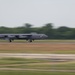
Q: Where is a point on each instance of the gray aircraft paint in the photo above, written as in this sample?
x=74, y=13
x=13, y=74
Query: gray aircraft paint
x=29, y=37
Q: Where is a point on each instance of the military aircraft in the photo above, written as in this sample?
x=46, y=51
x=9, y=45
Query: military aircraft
x=29, y=37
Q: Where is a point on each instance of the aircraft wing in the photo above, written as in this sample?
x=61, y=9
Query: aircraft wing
x=15, y=36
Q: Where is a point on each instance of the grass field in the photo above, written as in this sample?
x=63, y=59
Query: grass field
x=34, y=73
x=18, y=66
x=42, y=64
x=42, y=41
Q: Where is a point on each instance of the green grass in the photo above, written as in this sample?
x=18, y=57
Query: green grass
x=43, y=41
x=34, y=73
x=64, y=66
x=48, y=41
x=19, y=61
x=37, y=64
x=54, y=41
x=39, y=51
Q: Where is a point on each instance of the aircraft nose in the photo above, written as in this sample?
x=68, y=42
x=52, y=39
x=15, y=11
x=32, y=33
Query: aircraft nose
x=45, y=36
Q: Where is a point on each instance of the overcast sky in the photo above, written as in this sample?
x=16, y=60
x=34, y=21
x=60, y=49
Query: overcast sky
x=15, y=13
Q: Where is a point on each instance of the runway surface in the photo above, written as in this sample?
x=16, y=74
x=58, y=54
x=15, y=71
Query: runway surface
x=49, y=56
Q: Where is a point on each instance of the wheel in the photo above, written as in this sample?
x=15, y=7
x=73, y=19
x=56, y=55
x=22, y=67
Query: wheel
x=10, y=40
x=30, y=40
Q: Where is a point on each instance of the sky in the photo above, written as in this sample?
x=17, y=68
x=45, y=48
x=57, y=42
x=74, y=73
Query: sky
x=14, y=13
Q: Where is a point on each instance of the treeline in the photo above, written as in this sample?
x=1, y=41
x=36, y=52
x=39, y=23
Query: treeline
x=62, y=32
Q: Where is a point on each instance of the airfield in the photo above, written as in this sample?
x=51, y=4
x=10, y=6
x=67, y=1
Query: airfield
x=42, y=46
x=42, y=56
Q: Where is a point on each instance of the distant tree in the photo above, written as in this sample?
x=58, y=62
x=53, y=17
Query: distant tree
x=27, y=28
x=73, y=33
x=27, y=25
x=64, y=32
x=63, y=29
x=5, y=30
x=48, y=29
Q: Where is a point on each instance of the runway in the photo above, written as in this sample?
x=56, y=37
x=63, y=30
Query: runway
x=29, y=55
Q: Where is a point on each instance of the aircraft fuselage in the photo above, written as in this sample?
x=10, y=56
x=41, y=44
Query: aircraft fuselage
x=28, y=37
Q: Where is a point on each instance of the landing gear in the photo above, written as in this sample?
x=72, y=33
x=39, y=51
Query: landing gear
x=30, y=40
x=10, y=40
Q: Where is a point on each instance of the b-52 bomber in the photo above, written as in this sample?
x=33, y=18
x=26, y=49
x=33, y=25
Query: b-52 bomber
x=29, y=37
